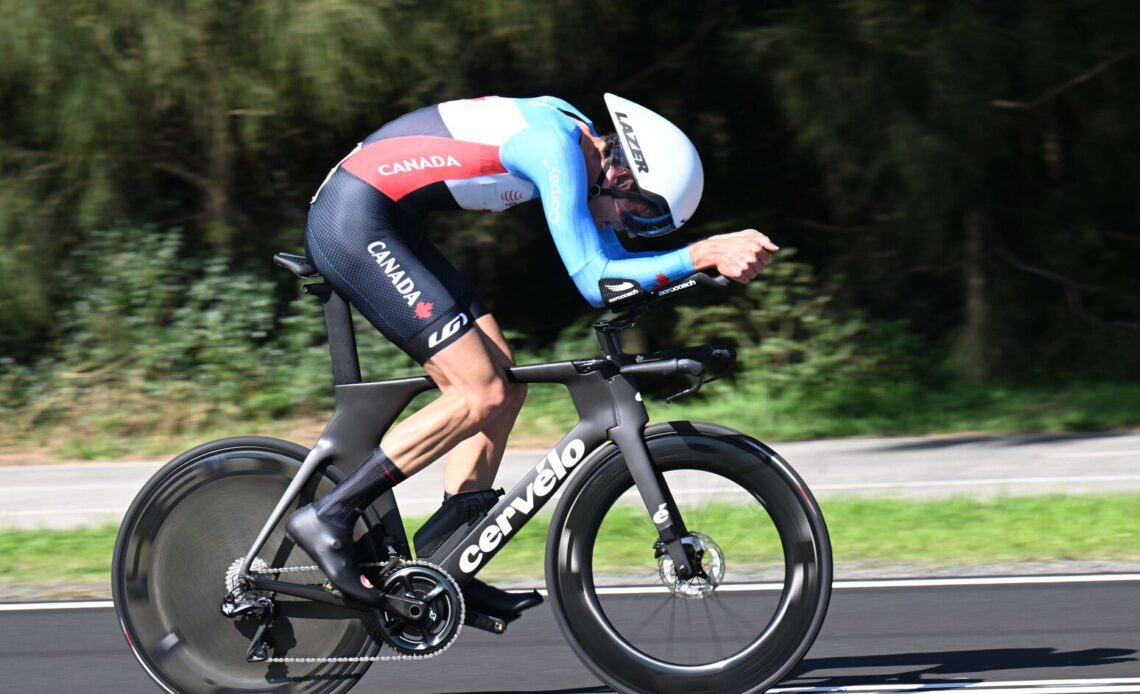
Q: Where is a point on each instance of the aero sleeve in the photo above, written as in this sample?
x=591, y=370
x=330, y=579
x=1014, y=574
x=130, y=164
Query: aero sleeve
x=552, y=161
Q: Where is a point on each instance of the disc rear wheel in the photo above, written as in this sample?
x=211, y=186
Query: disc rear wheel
x=184, y=531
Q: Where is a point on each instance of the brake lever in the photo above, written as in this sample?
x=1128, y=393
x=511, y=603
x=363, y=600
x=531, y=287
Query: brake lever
x=690, y=390
x=726, y=355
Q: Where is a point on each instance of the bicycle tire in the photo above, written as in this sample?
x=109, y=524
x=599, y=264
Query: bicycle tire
x=597, y=631
x=188, y=524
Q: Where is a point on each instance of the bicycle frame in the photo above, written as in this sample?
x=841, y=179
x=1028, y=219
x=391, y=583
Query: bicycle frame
x=609, y=407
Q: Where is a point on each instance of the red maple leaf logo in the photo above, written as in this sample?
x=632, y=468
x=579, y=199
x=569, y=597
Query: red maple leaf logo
x=662, y=281
x=423, y=310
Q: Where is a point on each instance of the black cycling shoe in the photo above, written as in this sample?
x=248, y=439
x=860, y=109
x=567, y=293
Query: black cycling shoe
x=331, y=546
x=488, y=607
x=489, y=600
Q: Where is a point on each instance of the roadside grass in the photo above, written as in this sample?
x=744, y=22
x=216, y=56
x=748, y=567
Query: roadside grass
x=886, y=408
x=949, y=533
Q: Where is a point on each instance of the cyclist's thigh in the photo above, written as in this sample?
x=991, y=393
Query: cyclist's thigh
x=494, y=344
x=372, y=253
x=467, y=365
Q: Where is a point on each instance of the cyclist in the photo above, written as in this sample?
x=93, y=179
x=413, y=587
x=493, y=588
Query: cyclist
x=364, y=237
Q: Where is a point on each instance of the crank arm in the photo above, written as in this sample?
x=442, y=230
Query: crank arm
x=405, y=607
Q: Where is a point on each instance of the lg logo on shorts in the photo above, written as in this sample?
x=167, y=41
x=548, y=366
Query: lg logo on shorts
x=448, y=330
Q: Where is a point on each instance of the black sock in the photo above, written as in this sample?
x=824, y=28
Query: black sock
x=343, y=505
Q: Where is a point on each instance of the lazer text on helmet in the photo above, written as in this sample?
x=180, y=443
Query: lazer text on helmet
x=631, y=139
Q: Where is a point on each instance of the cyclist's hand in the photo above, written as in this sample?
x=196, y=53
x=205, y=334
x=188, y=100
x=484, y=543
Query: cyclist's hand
x=739, y=256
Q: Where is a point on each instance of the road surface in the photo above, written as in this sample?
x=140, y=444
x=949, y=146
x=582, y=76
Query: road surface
x=1071, y=636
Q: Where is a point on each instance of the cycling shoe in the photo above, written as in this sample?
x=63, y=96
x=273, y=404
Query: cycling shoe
x=489, y=600
x=334, y=551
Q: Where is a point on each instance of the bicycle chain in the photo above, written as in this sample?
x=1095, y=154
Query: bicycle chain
x=367, y=658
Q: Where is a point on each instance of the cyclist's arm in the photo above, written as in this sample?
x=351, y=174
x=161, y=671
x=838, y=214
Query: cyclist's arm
x=552, y=160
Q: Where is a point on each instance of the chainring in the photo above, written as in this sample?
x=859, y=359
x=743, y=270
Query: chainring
x=439, y=628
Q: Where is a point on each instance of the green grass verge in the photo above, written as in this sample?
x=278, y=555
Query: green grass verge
x=950, y=532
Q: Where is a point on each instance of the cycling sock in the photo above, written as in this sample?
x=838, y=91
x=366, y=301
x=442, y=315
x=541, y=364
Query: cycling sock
x=343, y=505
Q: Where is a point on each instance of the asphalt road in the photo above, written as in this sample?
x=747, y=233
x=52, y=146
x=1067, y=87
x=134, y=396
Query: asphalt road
x=878, y=637
x=71, y=495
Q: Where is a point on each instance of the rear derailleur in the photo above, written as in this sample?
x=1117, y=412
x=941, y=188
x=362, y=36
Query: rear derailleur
x=240, y=604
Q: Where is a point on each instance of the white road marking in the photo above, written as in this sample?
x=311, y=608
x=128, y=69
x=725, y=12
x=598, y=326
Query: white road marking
x=728, y=588
x=1095, y=454
x=1082, y=686
x=68, y=487
x=893, y=583
x=65, y=512
x=988, y=481
x=44, y=606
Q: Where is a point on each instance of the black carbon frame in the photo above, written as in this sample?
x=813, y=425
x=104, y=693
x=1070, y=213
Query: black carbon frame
x=609, y=406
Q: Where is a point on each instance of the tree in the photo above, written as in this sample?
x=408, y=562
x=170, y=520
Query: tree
x=953, y=203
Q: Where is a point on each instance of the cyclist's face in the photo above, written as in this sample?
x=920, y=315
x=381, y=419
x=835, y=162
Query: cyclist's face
x=621, y=178
x=608, y=210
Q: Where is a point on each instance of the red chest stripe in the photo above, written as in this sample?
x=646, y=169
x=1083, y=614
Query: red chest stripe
x=401, y=165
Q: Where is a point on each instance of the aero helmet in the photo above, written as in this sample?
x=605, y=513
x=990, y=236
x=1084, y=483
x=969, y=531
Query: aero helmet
x=664, y=163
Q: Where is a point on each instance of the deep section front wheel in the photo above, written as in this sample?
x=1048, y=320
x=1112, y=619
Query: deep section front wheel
x=192, y=521
x=755, y=532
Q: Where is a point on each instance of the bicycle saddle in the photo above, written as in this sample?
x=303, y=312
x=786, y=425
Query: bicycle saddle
x=299, y=265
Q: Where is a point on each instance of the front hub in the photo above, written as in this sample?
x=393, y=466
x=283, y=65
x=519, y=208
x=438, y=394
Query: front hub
x=708, y=560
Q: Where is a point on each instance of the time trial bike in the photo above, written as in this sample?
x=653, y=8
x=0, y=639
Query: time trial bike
x=681, y=557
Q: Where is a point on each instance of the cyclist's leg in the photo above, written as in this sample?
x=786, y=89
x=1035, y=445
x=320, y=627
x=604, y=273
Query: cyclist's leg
x=373, y=252
x=473, y=463
x=475, y=393
x=368, y=249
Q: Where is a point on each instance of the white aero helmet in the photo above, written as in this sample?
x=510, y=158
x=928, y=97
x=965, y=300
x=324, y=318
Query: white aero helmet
x=664, y=163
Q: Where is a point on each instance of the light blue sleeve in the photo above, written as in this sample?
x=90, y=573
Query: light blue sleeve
x=551, y=159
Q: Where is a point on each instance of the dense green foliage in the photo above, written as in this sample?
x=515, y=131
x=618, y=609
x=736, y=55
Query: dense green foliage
x=960, y=173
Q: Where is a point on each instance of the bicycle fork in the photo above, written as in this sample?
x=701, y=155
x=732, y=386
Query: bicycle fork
x=629, y=436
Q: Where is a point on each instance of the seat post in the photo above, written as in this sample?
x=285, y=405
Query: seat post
x=342, y=336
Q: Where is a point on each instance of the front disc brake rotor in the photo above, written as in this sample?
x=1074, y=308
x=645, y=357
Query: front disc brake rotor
x=707, y=557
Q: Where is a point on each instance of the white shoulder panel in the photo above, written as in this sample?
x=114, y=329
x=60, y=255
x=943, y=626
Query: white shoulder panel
x=490, y=120
x=491, y=193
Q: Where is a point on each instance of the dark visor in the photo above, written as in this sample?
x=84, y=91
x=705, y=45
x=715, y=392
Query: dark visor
x=643, y=212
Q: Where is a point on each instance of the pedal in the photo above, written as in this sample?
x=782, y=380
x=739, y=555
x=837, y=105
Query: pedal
x=485, y=622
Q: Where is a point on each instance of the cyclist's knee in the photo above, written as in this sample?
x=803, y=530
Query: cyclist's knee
x=486, y=401
x=516, y=396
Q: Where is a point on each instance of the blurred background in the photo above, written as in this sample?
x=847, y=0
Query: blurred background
x=954, y=185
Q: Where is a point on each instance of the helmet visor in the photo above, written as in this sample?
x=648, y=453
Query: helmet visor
x=642, y=212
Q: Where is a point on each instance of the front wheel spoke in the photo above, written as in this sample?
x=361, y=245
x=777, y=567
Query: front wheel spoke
x=732, y=614
x=712, y=628
x=645, y=622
